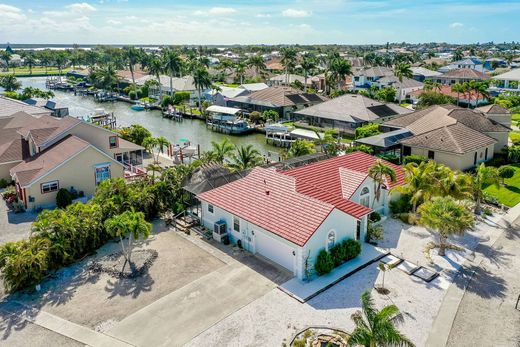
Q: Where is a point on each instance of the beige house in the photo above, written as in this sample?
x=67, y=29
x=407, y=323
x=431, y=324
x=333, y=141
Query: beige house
x=71, y=163
x=457, y=137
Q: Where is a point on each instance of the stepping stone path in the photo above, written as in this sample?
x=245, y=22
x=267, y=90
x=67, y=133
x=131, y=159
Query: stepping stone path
x=425, y=274
x=407, y=267
x=391, y=260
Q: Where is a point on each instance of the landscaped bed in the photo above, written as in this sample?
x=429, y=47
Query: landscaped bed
x=509, y=193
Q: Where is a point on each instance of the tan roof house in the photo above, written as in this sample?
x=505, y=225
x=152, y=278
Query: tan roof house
x=71, y=163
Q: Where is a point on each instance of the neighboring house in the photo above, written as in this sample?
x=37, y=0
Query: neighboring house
x=9, y=107
x=179, y=84
x=286, y=80
x=253, y=87
x=403, y=89
x=348, y=112
x=508, y=82
x=420, y=74
x=461, y=76
x=284, y=100
x=497, y=113
x=56, y=109
x=290, y=216
x=469, y=98
x=365, y=78
x=71, y=163
x=220, y=97
x=495, y=63
x=466, y=63
x=457, y=137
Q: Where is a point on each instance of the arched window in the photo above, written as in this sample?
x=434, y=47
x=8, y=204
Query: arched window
x=331, y=239
x=364, y=198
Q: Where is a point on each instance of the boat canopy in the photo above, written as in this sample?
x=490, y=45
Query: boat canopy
x=305, y=134
x=223, y=110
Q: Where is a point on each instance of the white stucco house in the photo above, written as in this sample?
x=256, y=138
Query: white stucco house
x=290, y=216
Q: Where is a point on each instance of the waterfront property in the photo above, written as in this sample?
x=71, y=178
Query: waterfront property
x=461, y=76
x=348, y=112
x=227, y=120
x=470, y=97
x=290, y=216
x=284, y=100
x=508, y=82
x=457, y=137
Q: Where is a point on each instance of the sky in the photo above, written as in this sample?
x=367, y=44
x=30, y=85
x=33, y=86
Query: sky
x=258, y=22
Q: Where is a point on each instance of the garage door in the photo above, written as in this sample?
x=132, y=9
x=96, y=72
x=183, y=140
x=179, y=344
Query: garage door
x=274, y=250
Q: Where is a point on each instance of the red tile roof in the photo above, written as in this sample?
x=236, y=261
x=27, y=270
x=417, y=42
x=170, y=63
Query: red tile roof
x=294, y=203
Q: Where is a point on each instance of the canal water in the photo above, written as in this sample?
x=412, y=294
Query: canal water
x=192, y=129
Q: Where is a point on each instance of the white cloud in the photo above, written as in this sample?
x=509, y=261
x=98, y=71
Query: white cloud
x=11, y=13
x=456, y=25
x=263, y=15
x=222, y=10
x=81, y=7
x=113, y=22
x=291, y=12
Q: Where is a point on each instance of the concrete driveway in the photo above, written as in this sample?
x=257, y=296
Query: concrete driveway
x=14, y=226
x=178, y=317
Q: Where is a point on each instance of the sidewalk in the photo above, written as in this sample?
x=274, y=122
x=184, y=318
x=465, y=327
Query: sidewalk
x=304, y=291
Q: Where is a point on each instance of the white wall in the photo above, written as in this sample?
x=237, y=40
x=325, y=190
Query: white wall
x=456, y=161
x=380, y=206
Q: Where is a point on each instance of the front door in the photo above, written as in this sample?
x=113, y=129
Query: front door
x=119, y=157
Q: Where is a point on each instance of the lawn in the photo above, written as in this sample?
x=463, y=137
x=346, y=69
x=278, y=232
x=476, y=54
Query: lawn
x=229, y=85
x=515, y=136
x=509, y=194
x=36, y=70
x=516, y=117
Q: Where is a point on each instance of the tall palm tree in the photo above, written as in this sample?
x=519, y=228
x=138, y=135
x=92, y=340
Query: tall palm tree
x=171, y=65
x=401, y=71
x=105, y=77
x=60, y=60
x=10, y=83
x=155, y=68
x=288, y=61
x=240, y=71
x=418, y=183
x=245, y=157
x=458, y=88
x=161, y=143
x=447, y=217
x=257, y=62
x=308, y=63
x=382, y=174
x=153, y=168
x=377, y=327
x=131, y=56
x=340, y=69
x=202, y=80
x=483, y=177
x=6, y=57
x=221, y=150
x=29, y=61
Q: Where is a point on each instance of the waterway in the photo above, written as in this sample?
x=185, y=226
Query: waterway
x=192, y=129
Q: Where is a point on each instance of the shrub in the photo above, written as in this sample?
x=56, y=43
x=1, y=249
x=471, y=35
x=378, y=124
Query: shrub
x=497, y=161
x=417, y=159
x=132, y=95
x=181, y=97
x=63, y=198
x=506, y=171
x=401, y=205
x=255, y=116
x=374, y=232
x=367, y=130
x=352, y=249
x=394, y=159
x=271, y=115
x=166, y=100
x=324, y=263
x=3, y=183
x=409, y=218
x=338, y=254
x=374, y=217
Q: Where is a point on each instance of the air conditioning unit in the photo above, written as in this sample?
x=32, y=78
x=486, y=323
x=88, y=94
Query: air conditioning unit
x=219, y=231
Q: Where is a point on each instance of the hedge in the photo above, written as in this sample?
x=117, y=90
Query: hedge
x=417, y=159
x=337, y=255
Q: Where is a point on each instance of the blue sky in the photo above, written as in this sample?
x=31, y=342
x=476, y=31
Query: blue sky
x=256, y=22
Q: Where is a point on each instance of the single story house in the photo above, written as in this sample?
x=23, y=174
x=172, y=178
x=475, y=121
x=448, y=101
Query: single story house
x=286, y=80
x=253, y=87
x=71, y=163
x=507, y=82
x=348, y=112
x=221, y=96
x=403, y=88
x=284, y=100
x=466, y=63
x=461, y=76
x=469, y=98
x=290, y=216
x=420, y=74
x=457, y=137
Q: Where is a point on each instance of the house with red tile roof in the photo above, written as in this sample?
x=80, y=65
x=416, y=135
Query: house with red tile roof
x=290, y=216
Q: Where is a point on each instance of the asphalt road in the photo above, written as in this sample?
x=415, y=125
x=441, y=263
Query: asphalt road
x=487, y=315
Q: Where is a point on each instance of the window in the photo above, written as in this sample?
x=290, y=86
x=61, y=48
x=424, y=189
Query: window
x=236, y=224
x=407, y=150
x=102, y=173
x=481, y=155
x=431, y=155
x=364, y=198
x=210, y=208
x=486, y=154
x=475, y=159
x=49, y=187
x=331, y=239
x=358, y=230
x=112, y=141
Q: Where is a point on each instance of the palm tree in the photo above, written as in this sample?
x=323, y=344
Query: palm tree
x=377, y=327
x=131, y=56
x=402, y=70
x=245, y=157
x=161, y=143
x=458, y=55
x=459, y=88
x=29, y=61
x=105, y=77
x=10, y=83
x=60, y=59
x=149, y=144
x=301, y=147
x=288, y=61
x=418, y=183
x=221, y=150
x=202, y=80
x=155, y=68
x=171, y=65
x=129, y=223
x=256, y=61
x=153, y=168
x=483, y=177
x=340, y=69
x=6, y=57
x=308, y=63
x=382, y=174
x=240, y=71
x=447, y=217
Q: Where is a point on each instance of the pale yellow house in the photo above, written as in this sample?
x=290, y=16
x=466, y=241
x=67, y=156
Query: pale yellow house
x=71, y=163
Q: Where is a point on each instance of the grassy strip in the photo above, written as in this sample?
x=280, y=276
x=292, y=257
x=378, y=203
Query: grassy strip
x=508, y=194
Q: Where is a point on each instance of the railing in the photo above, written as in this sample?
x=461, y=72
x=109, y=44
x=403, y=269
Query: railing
x=133, y=169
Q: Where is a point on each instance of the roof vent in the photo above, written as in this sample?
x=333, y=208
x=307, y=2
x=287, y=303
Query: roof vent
x=266, y=190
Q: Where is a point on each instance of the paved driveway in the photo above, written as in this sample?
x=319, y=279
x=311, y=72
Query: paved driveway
x=183, y=314
x=14, y=226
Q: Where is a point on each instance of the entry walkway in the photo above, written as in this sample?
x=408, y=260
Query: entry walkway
x=304, y=291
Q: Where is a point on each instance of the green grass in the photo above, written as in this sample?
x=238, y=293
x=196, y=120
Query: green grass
x=515, y=136
x=229, y=85
x=509, y=194
x=36, y=70
x=516, y=117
